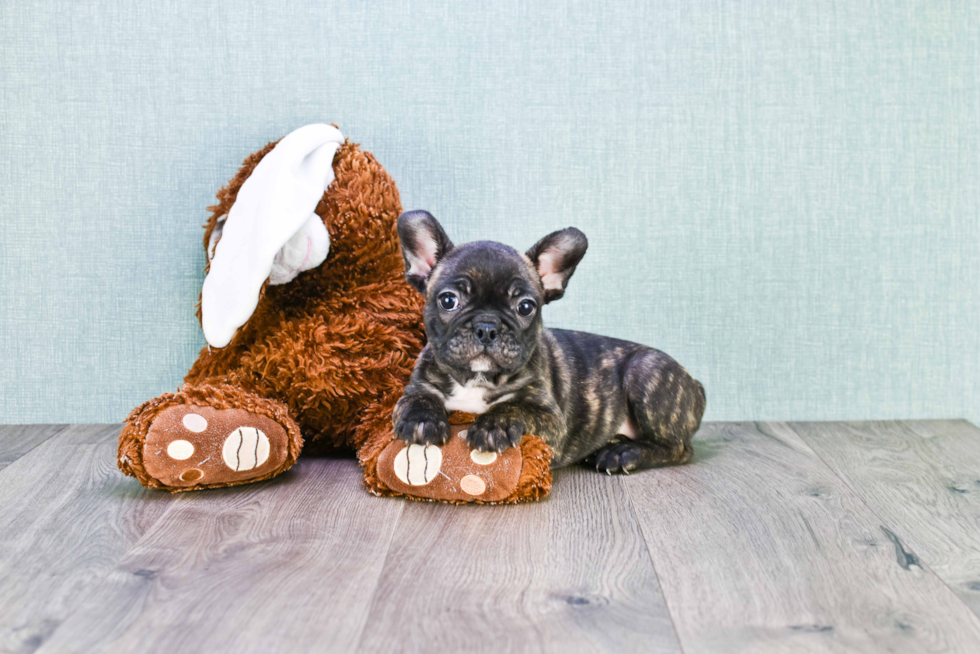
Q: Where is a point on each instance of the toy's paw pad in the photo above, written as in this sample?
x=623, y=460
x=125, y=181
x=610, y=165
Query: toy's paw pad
x=198, y=446
x=417, y=465
x=451, y=472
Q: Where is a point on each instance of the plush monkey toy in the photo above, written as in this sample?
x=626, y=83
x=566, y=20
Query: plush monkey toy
x=312, y=333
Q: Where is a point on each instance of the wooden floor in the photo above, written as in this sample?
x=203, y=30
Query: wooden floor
x=778, y=537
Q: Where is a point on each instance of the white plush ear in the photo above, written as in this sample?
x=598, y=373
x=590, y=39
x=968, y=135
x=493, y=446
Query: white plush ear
x=271, y=231
x=219, y=226
x=307, y=249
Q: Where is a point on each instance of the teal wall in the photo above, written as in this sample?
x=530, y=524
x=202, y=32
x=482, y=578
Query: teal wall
x=783, y=195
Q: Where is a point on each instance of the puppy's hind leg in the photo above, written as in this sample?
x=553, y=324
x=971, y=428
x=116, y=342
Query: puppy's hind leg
x=665, y=406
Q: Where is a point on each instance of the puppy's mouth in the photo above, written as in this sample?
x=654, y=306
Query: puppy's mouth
x=481, y=363
x=467, y=357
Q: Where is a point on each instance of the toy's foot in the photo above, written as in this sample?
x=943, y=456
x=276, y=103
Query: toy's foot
x=193, y=446
x=452, y=472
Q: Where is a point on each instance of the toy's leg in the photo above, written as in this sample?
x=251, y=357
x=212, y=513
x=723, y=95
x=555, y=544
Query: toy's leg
x=371, y=436
x=207, y=436
x=665, y=406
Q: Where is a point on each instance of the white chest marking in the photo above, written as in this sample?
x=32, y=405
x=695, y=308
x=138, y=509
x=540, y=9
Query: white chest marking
x=472, y=398
x=469, y=398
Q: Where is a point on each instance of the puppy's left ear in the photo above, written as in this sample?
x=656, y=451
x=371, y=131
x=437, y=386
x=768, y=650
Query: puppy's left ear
x=424, y=244
x=555, y=257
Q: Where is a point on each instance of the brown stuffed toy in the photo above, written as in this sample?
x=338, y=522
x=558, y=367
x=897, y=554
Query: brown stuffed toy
x=312, y=332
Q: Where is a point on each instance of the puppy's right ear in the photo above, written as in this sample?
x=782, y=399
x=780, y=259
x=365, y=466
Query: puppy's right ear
x=424, y=244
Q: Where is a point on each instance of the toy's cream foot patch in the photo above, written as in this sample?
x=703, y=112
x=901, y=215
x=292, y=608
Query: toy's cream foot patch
x=199, y=446
x=451, y=472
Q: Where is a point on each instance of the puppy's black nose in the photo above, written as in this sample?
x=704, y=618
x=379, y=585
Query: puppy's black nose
x=486, y=332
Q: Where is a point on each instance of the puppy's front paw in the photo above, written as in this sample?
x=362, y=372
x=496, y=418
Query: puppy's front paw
x=492, y=433
x=423, y=427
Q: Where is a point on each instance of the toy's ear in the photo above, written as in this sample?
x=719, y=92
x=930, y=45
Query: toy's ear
x=555, y=258
x=271, y=231
x=424, y=244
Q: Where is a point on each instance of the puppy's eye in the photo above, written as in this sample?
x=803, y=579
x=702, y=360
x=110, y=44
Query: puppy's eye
x=448, y=301
x=525, y=308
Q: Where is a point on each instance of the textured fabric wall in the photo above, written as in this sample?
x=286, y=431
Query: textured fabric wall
x=783, y=195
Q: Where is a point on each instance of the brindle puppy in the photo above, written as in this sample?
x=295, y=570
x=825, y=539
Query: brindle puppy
x=623, y=405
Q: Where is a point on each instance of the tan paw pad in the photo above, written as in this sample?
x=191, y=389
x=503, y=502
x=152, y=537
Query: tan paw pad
x=197, y=446
x=451, y=472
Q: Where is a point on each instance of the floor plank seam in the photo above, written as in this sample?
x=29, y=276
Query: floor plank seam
x=889, y=531
x=377, y=579
x=60, y=429
x=653, y=564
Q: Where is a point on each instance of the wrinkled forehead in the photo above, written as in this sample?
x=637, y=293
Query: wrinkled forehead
x=486, y=264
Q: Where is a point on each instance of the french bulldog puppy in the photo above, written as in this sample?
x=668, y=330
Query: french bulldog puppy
x=621, y=405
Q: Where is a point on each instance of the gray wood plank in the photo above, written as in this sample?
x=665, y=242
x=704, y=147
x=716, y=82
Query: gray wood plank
x=760, y=547
x=567, y=575
x=66, y=518
x=287, y=565
x=18, y=440
x=923, y=479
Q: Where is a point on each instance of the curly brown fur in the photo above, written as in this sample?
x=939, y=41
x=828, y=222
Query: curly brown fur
x=341, y=338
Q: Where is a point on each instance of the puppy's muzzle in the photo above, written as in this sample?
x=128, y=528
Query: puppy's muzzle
x=486, y=330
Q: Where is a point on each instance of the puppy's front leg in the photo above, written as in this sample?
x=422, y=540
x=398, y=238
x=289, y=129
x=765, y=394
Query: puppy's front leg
x=420, y=418
x=505, y=424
